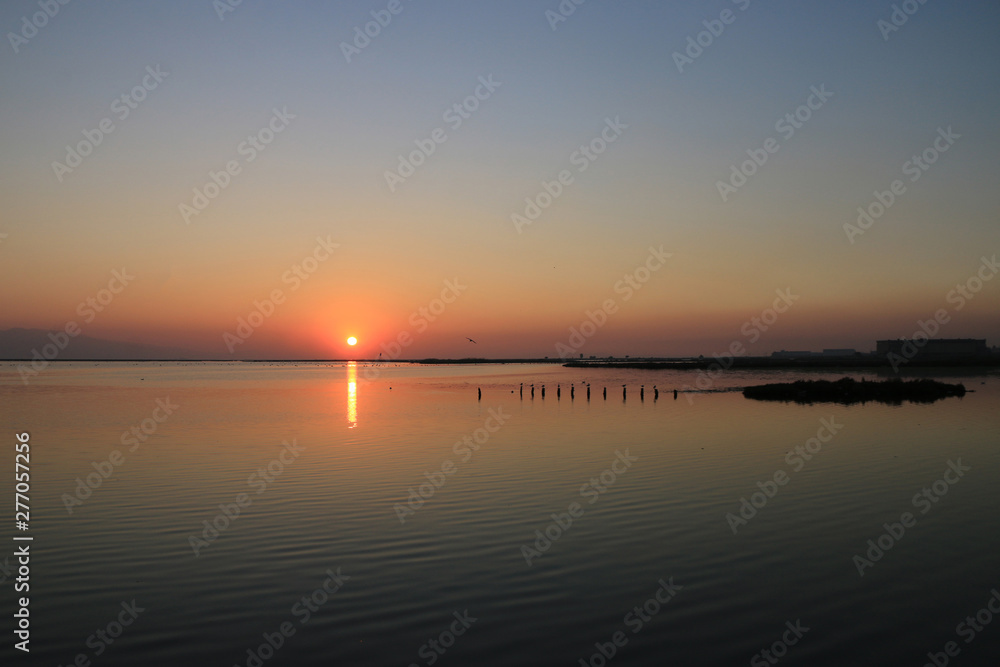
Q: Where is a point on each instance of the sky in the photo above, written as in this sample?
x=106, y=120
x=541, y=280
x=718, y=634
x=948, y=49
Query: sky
x=264, y=179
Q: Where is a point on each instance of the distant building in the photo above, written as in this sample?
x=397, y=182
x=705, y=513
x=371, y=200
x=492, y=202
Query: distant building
x=931, y=349
x=842, y=352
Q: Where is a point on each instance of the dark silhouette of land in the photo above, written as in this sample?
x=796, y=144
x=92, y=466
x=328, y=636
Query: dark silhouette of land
x=19, y=344
x=848, y=391
x=763, y=363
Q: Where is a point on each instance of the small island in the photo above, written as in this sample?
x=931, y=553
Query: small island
x=848, y=391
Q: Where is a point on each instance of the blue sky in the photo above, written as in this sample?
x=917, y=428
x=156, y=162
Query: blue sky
x=656, y=185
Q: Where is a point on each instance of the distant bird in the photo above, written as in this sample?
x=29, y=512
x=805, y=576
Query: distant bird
x=469, y=339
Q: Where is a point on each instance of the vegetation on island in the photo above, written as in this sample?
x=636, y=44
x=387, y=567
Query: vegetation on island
x=847, y=391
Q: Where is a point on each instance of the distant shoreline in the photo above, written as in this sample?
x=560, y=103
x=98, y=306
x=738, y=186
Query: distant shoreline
x=758, y=363
x=429, y=362
x=685, y=363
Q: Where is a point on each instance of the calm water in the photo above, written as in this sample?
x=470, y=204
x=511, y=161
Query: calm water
x=363, y=437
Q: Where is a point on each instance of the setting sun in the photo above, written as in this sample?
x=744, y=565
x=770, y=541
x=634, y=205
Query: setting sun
x=352, y=341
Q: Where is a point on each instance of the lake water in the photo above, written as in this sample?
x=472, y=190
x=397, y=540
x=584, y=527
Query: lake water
x=460, y=576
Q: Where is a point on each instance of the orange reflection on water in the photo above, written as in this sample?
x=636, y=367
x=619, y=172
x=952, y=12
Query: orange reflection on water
x=352, y=394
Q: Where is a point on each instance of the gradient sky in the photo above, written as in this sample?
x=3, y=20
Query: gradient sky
x=324, y=174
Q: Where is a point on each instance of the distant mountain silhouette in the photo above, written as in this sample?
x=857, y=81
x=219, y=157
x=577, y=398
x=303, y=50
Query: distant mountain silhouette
x=17, y=344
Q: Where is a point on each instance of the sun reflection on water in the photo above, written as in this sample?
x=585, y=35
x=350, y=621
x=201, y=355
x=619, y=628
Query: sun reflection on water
x=352, y=394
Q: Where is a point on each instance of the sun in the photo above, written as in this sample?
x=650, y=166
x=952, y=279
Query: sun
x=352, y=341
